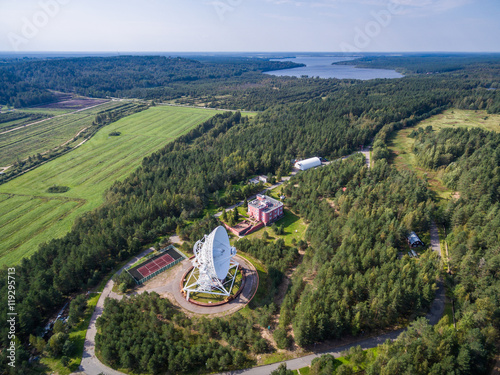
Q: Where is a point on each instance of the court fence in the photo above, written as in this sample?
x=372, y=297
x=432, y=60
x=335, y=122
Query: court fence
x=138, y=277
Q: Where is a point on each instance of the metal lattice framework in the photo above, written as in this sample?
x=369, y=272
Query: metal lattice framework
x=212, y=264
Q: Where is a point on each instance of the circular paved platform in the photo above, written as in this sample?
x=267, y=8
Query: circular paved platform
x=172, y=287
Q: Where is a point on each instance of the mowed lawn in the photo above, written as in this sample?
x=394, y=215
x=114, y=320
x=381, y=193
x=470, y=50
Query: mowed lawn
x=294, y=227
x=402, y=145
x=29, y=215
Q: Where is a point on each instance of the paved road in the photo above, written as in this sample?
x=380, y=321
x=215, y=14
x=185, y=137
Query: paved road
x=90, y=364
x=435, y=244
x=252, y=197
x=434, y=315
x=366, y=152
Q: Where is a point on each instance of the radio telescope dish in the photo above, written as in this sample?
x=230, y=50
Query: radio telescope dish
x=222, y=252
x=212, y=264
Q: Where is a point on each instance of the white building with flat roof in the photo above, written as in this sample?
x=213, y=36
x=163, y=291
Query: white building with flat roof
x=304, y=165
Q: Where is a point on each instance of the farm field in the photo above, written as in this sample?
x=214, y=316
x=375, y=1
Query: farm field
x=44, y=134
x=13, y=120
x=401, y=145
x=30, y=215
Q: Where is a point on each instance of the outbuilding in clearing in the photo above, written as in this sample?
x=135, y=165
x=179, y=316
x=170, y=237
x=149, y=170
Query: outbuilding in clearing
x=414, y=240
x=304, y=165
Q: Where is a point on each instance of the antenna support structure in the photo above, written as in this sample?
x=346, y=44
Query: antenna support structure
x=212, y=265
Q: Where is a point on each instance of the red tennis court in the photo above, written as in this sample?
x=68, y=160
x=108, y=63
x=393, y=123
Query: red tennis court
x=158, y=263
x=155, y=264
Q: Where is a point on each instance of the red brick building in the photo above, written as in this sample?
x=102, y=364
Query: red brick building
x=265, y=209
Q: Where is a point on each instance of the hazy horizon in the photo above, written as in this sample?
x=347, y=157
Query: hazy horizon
x=266, y=26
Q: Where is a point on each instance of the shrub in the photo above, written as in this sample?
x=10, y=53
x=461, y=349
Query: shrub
x=57, y=189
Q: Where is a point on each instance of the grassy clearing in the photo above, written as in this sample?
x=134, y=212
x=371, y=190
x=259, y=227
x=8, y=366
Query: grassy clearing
x=261, y=294
x=401, y=145
x=295, y=228
x=339, y=361
x=88, y=171
x=459, y=118
x=267, y=359
x=448, y=311
x=47, y=134
x=243, y=212
x=303, y=371
x=77, y=335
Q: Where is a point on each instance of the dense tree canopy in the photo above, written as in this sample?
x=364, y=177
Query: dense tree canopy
x=352, y=278
x=359, y=282
x=25, y=83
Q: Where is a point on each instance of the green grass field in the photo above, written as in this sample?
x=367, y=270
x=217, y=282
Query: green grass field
x=294, y=226
x=30, y=215
x=11, y=124
x=46, y=111
x=45, y=135
x=342, y=360
x=262, y=292
x=401, y=145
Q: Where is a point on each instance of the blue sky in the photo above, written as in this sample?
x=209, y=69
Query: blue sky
x=250, y=25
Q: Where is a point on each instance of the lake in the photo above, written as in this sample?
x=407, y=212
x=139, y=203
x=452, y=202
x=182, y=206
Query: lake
x=322, y=67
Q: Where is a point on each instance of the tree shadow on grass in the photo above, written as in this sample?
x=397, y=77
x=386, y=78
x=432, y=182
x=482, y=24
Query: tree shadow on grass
x=287, y=221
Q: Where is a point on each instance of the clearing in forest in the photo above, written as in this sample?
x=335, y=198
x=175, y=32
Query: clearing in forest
x=402, y=145
x=31, y=215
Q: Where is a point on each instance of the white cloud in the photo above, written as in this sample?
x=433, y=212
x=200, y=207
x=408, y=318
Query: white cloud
x=282, y=17
x=422, y=8
x=288, y=2
x=411, y=6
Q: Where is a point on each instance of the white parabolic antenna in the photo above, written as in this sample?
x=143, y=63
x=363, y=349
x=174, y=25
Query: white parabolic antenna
x=212, y=264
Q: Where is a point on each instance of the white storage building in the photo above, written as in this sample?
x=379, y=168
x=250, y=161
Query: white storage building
x=308, y=164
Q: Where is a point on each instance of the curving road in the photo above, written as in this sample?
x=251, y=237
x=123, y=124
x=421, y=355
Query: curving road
x=92, y=366
x=434, y=315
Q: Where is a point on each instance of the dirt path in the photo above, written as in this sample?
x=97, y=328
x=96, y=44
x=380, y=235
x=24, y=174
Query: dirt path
x=496, y=367
x=283, y=287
